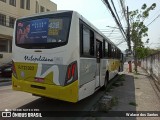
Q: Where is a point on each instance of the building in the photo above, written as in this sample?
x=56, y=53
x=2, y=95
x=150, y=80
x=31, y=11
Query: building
x=10, y=10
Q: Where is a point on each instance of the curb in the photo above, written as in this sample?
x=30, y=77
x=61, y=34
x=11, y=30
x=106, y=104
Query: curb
x=5, y=79
x=155, y=86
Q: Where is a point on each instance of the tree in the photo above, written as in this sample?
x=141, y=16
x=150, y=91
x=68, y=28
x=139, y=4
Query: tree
x=142, y=52
x=139, y=30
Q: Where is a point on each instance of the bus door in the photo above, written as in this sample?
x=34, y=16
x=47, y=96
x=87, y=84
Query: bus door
x=98, y=57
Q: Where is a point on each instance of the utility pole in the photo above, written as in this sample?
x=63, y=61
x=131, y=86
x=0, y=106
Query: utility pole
x=128, y=40
x=128, y=32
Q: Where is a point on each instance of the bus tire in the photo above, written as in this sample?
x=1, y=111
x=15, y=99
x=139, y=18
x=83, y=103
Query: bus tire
x=119, y=70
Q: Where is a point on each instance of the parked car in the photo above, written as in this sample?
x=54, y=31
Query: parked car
x=6, y=70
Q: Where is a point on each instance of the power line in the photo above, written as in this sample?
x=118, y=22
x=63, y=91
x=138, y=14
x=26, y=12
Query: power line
x=116, y=12
x=108, y=31
x=114, y=30
x=151, y=43
x=153, y=15
x=121, y=28
x=123, y=9
x=117, y=22
x=120, y=42
x=153, y=20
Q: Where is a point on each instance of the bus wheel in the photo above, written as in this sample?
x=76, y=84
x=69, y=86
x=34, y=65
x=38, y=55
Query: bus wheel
x=119, y=70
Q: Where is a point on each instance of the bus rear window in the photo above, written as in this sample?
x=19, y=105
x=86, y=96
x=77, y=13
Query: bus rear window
x=42, y=33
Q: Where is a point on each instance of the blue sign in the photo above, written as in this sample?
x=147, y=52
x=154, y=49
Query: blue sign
x=38, y=30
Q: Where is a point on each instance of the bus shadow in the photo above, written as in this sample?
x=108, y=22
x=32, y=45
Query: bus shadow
x=65, y=109
x=48, y=104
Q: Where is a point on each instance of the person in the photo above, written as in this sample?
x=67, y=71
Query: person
x=19, y=32
x=24, y=36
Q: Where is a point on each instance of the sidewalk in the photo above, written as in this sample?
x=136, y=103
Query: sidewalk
x=146, y=93
x=138, y=93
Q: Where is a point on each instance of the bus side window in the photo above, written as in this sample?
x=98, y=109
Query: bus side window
x=106, y=52
x=116, y=53
x=113, y=52
x=91, y=43
x=109, y=50
x=119, y=54
x=81, y=39
x=86, y=41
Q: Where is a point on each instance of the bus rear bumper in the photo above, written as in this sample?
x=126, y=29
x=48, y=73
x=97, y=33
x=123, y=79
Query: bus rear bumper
x=67, y=93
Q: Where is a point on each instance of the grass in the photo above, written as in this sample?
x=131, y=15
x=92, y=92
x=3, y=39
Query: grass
x=121, y=84
x=109, y=88
x=121, y=78
x=114, y=101
x=117, y=83
x=136, y=73
x=135, y=77
x=133, y=104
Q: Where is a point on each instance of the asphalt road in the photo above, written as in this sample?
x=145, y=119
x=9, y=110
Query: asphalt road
x=11, y=100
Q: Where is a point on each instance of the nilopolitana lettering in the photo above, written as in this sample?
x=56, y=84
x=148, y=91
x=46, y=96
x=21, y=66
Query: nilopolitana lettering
x=40, y=58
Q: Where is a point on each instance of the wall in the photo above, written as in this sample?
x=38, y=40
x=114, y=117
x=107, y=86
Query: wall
x=6, y=58
x=152, y=65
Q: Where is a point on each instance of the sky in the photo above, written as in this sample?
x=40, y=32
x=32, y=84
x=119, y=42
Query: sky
x=98, y=14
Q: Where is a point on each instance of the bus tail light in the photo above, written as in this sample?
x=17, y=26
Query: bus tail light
x=72, y=73
x=14, y=69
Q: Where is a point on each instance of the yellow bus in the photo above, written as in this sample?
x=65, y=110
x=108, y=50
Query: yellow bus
x=63, y=56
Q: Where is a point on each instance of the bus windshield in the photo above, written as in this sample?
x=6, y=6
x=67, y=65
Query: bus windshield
x=42, y=32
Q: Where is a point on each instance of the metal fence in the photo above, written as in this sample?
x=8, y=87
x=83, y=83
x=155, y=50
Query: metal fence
x=152, y=65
